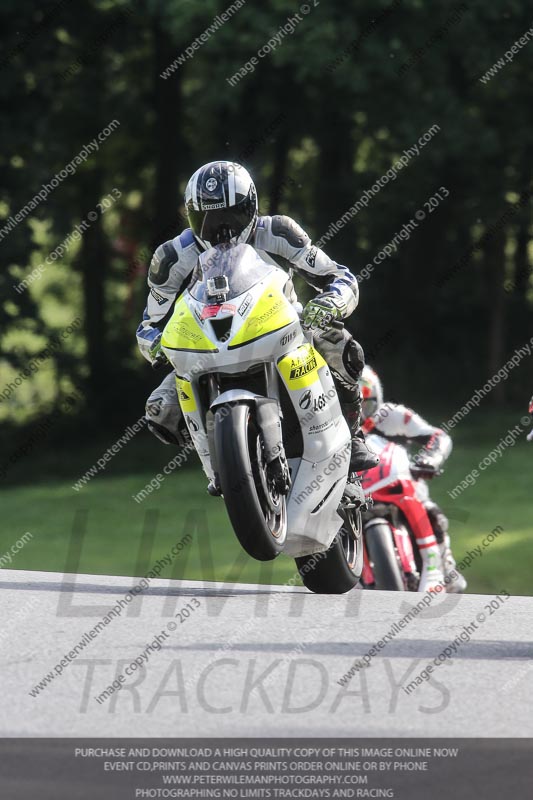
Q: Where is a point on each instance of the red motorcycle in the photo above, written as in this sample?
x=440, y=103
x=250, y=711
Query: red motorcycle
x=398, y=540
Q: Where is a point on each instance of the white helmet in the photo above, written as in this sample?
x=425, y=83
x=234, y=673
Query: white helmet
x=372, y=392
x=221, y=203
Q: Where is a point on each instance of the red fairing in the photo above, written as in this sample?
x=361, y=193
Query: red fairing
x=383, y=469
x=418, y=520
x=405, y=549
x=402, y=494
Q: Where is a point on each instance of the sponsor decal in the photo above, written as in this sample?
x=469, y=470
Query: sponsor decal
x=159, y=297
x=324, y=426
x=193, y=425
x=305, y=400
x=211, y=184
x=260, y=223
x=184, y=331
x=212, y=206
x=245, y=305
x=301, y=367
x=318, y=403
x=186, y=397
x=258, y=321
x=198, y=315
x=311, y=257
x=287, y=338
x=212, y=311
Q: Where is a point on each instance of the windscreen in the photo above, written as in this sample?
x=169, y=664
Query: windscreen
x=239, y=263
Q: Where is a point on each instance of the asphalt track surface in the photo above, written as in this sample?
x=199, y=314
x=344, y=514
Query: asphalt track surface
x=257, y=661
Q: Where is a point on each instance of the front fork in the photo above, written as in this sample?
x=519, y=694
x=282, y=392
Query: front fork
x=267, y=416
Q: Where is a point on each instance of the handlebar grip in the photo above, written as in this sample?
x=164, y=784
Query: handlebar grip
x=333, y=323
x=159, y=361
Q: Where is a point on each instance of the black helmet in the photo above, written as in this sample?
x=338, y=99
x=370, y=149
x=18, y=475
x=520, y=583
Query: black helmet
x=221, y=203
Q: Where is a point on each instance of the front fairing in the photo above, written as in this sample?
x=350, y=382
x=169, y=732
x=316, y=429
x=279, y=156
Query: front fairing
x=233, y=315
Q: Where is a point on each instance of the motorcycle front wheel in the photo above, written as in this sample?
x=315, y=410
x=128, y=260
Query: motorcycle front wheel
x=383, y=557
x=257, y=511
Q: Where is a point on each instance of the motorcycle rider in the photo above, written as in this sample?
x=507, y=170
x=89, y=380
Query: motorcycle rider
x=400, y=424
x=221, y=205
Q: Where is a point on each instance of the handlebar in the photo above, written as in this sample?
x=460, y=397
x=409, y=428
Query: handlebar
x=160, y=361
x=425, y=472
x=327, y=323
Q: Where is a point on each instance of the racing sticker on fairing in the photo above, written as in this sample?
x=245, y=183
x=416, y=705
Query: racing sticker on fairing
x=245, y=305
x=322, y=428
x=300, y=367
x=307, y=400
x=289, y=337
x=185, y=395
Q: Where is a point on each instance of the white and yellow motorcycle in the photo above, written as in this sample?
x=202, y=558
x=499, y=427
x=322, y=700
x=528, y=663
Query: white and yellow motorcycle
x=261, y=407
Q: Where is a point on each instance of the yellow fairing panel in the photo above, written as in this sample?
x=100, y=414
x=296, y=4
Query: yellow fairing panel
x=185, y=396
x=271, y=312
x=184, y=333
x=300, y=367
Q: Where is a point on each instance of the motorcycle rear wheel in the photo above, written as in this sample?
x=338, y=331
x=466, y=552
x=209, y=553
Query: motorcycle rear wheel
x=338, y=569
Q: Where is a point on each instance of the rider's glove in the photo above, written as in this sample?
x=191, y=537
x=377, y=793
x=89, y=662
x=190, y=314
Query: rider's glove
x=323, y=310
x=423, y=468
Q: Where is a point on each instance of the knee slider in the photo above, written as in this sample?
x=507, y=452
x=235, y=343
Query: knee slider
x=353, y=358
x=153, y=407
x=163, y=434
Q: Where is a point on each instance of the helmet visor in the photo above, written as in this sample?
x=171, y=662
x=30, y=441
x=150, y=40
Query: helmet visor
x=220, y=225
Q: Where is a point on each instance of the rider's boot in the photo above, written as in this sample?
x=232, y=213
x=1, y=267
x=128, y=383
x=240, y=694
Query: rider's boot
x=362, y=457
x=432, y=577
x=455, y=582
